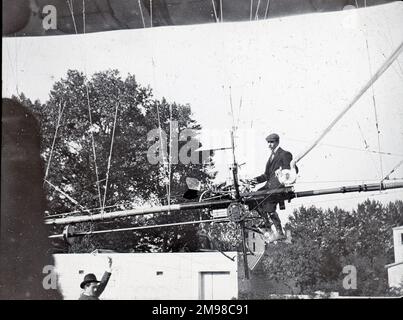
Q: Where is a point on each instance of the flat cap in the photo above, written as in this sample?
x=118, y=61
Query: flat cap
x=272, y=137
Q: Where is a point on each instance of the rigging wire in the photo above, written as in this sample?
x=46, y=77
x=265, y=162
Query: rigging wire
x=90, y=117
x=151, y=13
x=84, y=16
x=59, y=117
x=267, y=9
x=232, y=108
x=71, y=8
x=110, y=153
x=233, y=131
x=165, y=163
x=215, y=11
x=221, y=13
x=350, y=148
x=366, y=145
x=375, y=111
x=170, y=155
x=362, y=136
x=69, y=197
x=257, y=10
x=393, y=170
x=93, y=145
x=374, y=101
x=141, y=12
x=239, y=112
x=90, y=120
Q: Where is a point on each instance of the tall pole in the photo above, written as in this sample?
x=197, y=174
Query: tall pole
x=234, y=168
x=245, y=256
x=238, y=197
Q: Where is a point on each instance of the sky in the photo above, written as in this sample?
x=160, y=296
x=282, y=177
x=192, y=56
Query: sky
x=290, y=75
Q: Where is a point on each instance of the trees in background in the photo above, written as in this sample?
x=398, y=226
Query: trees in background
x=78, y=159
x=326, y=243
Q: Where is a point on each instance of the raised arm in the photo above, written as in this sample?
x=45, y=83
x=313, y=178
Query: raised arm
x=105, y=278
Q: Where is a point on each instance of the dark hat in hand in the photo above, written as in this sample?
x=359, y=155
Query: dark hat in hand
x=88, y=278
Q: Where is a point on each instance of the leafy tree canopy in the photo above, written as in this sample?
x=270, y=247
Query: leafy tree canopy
x=83, y=112
x=324, y=242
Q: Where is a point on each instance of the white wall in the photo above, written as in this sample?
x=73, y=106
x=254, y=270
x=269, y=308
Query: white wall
x=395, y=270
x=135, y=274
x=398, y=243
x=395, y=275
x=255, y=238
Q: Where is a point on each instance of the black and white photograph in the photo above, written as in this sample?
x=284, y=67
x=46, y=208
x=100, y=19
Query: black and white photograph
x=219, y=150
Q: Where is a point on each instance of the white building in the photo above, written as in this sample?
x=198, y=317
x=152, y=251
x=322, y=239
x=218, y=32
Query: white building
x=256, y=246
x=153, y=276
x=395, y=270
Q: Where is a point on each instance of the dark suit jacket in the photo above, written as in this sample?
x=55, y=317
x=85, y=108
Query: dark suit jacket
x=281, y=159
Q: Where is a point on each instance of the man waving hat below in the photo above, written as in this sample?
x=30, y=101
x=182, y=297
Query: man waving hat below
x=279, y=160
x=94, y=288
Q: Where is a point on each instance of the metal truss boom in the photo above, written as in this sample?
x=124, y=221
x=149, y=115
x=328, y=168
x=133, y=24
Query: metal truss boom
x=251, y=197
x=80, y=234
